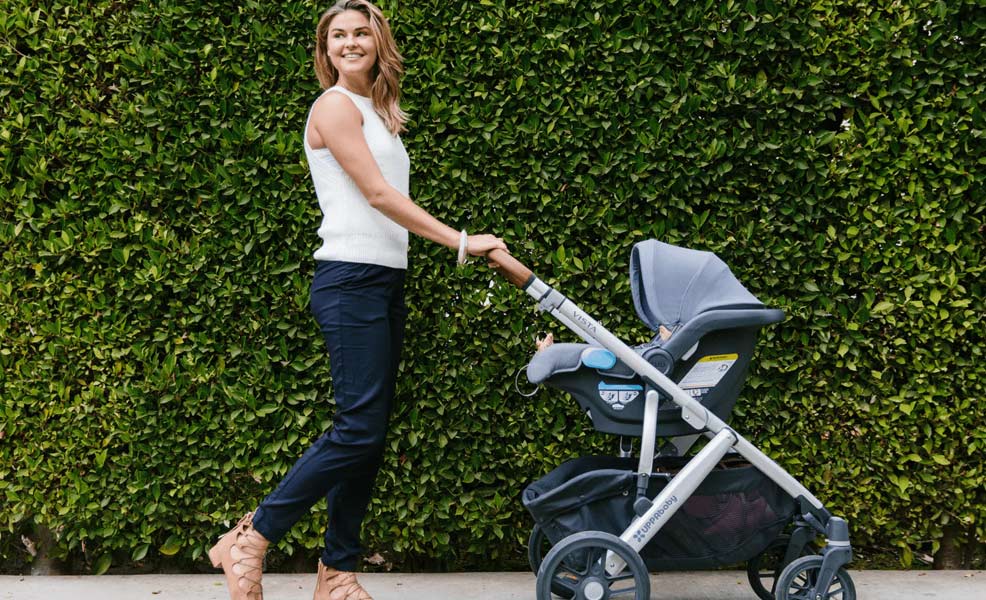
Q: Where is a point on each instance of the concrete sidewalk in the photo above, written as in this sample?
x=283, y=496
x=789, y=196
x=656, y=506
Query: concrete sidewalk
x=705, y=585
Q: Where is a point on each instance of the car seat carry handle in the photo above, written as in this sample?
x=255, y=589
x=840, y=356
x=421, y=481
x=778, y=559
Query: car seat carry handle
x=511, y=268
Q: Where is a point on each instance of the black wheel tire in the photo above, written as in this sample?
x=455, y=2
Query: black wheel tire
x=798, y=578
x=537, y=547
x=764, y=569
x=574, y=568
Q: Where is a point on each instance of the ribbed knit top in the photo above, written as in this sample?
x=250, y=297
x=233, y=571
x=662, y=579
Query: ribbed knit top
x=351, y=229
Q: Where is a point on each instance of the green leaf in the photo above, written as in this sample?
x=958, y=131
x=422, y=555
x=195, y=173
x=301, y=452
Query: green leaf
x=906, y=557
x=140, y=552
x=883, y=307
x=171, y=546
x=102, y=564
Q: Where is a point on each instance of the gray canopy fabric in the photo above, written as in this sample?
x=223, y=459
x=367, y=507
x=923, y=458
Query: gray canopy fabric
x=671, y=285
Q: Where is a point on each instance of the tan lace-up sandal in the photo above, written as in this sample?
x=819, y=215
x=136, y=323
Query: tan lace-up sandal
x=240, y=554
x=338, y=585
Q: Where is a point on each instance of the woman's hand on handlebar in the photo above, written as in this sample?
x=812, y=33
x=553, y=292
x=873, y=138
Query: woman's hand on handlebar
x=499, y=259
x=479, y=245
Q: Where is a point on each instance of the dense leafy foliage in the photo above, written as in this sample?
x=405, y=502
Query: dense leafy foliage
x=161, y=371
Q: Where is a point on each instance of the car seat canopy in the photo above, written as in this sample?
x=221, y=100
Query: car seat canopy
x=671, y=285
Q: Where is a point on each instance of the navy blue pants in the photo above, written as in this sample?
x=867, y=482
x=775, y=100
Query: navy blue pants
x=360, y=310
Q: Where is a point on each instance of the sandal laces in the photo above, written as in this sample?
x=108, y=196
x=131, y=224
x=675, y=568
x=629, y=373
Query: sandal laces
x=337, y=579
x=247, y=543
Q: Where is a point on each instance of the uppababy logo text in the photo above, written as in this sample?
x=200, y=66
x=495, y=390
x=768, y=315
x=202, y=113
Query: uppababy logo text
x=641, y=533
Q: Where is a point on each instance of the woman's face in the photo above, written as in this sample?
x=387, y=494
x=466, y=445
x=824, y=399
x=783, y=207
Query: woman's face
x=352, y=50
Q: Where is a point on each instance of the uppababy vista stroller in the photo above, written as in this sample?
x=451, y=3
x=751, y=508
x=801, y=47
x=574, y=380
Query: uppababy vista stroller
x=611, y=520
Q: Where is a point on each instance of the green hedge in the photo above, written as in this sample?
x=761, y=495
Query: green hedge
x=161, y=371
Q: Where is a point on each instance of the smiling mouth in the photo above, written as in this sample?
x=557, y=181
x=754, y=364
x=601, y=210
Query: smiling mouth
x=352, y=56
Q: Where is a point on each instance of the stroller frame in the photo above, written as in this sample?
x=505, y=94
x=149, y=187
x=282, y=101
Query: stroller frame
x=651, y=516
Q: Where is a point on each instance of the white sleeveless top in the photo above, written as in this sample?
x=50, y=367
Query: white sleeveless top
x=351, y=229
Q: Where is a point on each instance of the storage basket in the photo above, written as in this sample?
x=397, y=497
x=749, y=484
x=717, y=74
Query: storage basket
x=732, y=516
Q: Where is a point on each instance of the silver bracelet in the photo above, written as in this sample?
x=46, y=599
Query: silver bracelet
x=463, y=246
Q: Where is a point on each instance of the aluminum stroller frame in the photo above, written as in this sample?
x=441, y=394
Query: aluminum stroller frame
x=809, y=577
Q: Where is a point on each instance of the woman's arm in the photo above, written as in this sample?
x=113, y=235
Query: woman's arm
x=337, y=124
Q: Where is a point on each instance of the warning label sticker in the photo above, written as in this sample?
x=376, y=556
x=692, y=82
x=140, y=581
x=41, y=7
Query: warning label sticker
x=708, y=371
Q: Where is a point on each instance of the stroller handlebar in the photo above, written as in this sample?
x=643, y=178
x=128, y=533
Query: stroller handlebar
x=511, y=268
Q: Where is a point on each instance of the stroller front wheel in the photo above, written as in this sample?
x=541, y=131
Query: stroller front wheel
x=575, y=568
x=798, y=580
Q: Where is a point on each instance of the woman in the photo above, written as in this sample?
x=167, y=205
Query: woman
x=360, y=171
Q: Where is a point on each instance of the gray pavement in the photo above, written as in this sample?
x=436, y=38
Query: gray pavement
x=705, y=585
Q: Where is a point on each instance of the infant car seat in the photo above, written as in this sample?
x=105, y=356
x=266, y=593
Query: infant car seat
x=706, y=324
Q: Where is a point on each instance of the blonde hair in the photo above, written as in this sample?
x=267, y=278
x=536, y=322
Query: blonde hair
x=385, y=91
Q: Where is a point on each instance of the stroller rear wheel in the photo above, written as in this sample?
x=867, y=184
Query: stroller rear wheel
x=798, y=580
x=537, y=547
x=575, y=568
x=763, y=570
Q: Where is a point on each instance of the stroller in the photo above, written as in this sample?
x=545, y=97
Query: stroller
x=603, y=523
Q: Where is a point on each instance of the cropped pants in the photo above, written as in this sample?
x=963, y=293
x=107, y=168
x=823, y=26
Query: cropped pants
x=361, y=312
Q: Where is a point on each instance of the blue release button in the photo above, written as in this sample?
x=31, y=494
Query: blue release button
x=598, y=358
